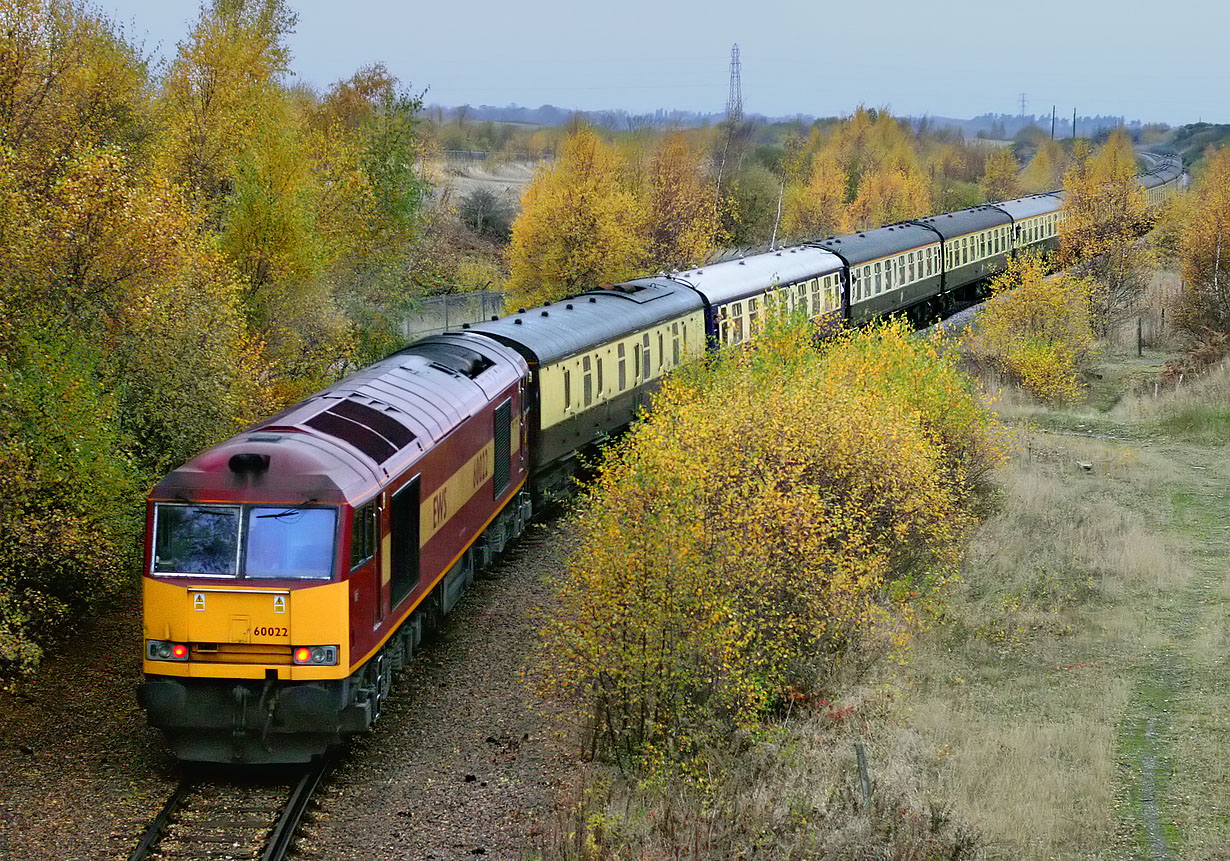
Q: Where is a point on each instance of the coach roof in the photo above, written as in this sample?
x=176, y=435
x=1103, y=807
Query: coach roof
x=882, y=242
x=731, y=280
x=570, y=326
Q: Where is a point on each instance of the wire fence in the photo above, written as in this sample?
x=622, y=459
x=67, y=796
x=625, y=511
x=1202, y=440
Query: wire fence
x=438, y=314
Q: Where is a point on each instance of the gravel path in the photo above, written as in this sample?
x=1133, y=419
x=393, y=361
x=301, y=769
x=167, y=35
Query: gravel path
x=459, y=766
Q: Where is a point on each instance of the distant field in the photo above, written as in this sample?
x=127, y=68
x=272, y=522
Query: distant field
x=463, y=176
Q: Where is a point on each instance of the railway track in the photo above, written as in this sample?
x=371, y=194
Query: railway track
x=215, y=816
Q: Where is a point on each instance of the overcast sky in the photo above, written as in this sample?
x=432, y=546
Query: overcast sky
x=1149, y=61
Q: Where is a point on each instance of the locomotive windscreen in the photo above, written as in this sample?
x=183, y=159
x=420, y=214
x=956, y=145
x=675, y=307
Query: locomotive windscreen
x=250, y=541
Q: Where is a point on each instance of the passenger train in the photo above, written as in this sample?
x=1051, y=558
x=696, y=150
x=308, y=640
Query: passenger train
x=291, y=570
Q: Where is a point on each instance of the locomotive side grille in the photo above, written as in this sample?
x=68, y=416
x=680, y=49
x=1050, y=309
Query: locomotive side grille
x=502, y=470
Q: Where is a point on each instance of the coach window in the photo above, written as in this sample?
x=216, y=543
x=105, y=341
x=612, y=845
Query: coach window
x=363, y=535
x=877, y=283
x=661, y=350
x=567, y=390
x=587, y=380
x=753, y=317
x=598, y=363
x=646, y=356
x=623, y=366
x=675, y=342
x=636, y=360
x=900, y=270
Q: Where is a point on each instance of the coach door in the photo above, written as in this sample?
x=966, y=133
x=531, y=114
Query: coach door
x=404, y=540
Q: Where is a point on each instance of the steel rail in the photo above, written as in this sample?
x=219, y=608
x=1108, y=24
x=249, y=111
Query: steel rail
x=283, y=836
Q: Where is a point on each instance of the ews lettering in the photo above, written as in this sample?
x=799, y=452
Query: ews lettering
x=439, y=508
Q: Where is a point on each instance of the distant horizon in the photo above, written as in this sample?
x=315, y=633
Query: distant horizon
x=984, y=119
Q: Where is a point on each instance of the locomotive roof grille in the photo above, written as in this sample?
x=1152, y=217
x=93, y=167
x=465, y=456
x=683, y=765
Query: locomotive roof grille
x=376, y=434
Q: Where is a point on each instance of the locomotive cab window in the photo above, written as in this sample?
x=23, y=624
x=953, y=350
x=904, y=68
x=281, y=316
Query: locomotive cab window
x=363, y=535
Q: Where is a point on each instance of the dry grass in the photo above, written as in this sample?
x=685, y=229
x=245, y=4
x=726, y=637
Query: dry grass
x=1021, y=687
x=1094, y=599
x=793, y=794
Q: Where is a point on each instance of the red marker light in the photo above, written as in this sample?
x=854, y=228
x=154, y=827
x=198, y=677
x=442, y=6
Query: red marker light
x=303, y=655
x=179, y=651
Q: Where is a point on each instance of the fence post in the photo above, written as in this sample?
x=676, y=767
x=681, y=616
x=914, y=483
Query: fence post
x=863, y=778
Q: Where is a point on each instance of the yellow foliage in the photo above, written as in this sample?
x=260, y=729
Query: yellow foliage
x=1045, y=170
x=1104, y=215
x=776, y=515
x=1036, y=329
x=1205, y=250
x=681, y=213
x=888, y=195
x=578, y=226
x=816, y=209
x=1001, y=180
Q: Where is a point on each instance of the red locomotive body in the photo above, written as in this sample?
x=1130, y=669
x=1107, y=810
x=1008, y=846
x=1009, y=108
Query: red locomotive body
x=291, y=569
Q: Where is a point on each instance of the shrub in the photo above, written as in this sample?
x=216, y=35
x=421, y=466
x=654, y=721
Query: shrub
x=770, y=522
x=1036, y=329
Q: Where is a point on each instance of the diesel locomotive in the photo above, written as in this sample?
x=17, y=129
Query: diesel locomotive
x=292, y=570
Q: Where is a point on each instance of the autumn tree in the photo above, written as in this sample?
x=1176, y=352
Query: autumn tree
x=703, y=592
x=1205, y=251
x=816, y=208
x=123, y=347
x=1104, y=215
x=1001, y=181
x=219, y=90
x=1036, y=330
x=1045, y=170
x=579, y=225
x=887, y=195
x=681, y=212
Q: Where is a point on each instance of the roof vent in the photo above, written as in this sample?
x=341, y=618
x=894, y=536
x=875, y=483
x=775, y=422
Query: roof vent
x=517, y=322
x=494, y=317
x=593, y=298
x=248, y=461
x=520, y=310
x=465, y=325
x=742, y=262
x=546, y=313
x=568, y=307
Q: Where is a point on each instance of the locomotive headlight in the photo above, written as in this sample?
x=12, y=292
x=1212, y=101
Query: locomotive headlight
x=161, y=650
x=315, y=656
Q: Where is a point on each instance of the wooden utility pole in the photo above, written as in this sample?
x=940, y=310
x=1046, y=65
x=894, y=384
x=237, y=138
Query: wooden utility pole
x=1052, y=122
x=1074, y=123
